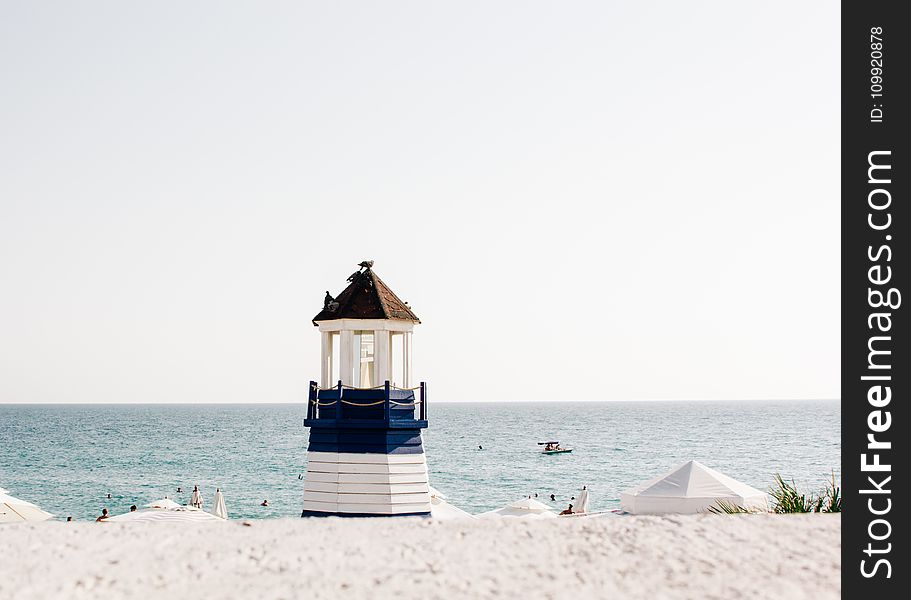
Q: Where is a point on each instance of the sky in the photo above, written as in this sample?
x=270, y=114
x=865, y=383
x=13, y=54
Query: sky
x=580, y=200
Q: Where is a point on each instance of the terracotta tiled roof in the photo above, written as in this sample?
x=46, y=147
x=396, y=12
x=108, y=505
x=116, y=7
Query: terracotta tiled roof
x=367, y=297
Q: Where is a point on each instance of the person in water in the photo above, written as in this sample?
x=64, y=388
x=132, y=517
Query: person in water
x=553, y=498
x=568, y=511
x=265, y=503
x=480, y=447
x=109, y=496
x=104, y=515
x=179, y=490
x=133, y=508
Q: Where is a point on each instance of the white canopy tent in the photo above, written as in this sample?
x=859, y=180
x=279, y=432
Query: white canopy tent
x=527, y=508
x=14, y=510
x=690, y=488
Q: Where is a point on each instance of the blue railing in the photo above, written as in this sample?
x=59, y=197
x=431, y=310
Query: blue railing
x=385, y=404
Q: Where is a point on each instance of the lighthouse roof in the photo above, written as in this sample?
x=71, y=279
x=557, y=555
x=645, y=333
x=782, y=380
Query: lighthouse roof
x=366, y=297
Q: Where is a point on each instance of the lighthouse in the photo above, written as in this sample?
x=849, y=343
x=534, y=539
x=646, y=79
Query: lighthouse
x=365, y=456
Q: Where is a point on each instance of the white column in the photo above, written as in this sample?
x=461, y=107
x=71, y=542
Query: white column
x=406, y=359
x=346, y=357
x=381, y=356
x=326, y=354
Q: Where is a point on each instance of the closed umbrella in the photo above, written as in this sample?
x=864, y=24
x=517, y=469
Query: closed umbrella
x=14, y=510
x=196, y=498
x=221, y=510
x=582, y=503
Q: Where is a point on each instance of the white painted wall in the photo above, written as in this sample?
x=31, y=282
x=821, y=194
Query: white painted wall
x=381, y=484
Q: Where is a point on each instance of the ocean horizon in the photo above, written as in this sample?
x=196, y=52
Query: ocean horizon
x=68, y=457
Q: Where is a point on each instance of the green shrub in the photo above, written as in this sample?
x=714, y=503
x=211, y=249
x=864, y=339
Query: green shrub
x=789, y=500
x=833, y=496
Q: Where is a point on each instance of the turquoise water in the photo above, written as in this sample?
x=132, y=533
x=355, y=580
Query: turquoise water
x=67, y=458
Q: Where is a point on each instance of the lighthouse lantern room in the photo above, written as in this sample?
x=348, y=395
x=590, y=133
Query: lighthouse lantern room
x=365, y=456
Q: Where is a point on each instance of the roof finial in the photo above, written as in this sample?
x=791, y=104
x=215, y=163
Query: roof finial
x=367, y=264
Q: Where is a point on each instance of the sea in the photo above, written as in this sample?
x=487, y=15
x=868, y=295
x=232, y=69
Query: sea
x=69, y=458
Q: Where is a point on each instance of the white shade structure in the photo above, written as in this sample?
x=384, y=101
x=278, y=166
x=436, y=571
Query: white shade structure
x=690, y=488
x=365, y=455
x=165, y=502
x=221, y=509
x=366, y=334
x=526, y=508
x=14, y=510
x=444, y=511
x=182, y=514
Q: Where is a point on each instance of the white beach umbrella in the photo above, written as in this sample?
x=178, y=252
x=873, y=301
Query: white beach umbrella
x=581, y=505
x=165, y=502
x=524, y=508
x=220, y=510
x=442, y=510
x=196, y=498
x=14, y=510
x=181, y=514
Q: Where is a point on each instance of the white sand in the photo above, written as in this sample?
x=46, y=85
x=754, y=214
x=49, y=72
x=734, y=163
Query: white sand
x=705, y=556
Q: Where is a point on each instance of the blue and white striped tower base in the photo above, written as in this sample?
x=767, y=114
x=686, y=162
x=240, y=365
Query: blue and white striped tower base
x=365, y=457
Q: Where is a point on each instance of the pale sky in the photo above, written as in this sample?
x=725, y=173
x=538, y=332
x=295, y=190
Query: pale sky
x=581, y=200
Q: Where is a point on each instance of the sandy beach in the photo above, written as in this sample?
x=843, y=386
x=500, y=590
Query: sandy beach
x=700, y=556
